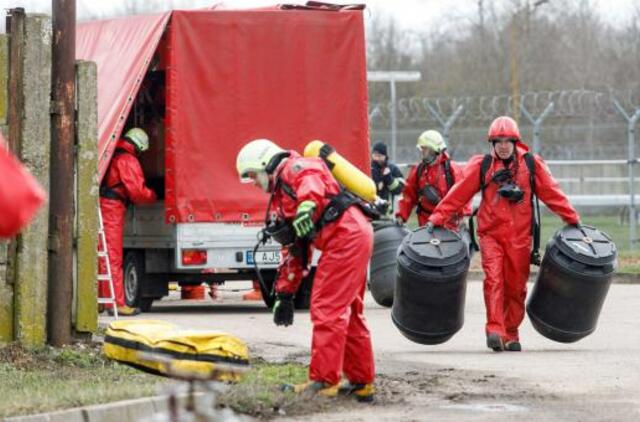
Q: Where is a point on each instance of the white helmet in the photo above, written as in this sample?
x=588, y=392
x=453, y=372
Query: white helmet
x=431, y=139
x=253, y=158
x=138, y=138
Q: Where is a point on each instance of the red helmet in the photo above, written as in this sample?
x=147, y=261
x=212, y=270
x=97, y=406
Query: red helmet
x=504, y=127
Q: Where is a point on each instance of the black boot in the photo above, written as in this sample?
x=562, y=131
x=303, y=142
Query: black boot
x=494, y=342
x=513, y=346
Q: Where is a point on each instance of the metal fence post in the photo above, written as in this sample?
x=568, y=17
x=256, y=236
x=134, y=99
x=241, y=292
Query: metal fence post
x=393, y=77
x=536, y=123
x=446, y=125
x=632, y=160
x=394, y=128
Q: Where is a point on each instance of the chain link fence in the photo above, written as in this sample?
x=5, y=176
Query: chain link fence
x=587, y=137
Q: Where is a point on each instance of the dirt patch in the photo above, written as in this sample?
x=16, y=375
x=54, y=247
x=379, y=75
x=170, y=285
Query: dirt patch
x=408, y=390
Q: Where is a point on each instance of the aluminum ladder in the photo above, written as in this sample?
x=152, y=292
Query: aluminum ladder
x=105, y=277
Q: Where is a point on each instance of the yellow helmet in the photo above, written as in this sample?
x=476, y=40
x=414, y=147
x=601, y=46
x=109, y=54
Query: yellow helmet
x=253, y=158
x=139, y=138
x=431, y=139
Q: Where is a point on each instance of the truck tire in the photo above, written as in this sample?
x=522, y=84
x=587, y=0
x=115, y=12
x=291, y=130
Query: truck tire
x=145, y=303
x=302, y=299
x=133, y=277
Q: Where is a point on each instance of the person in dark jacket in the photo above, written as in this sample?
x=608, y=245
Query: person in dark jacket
x=387, y=176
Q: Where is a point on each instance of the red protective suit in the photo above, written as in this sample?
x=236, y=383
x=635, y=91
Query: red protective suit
x=20, y=194
x=504, y=229
x=435, y=176
x=341, y=340
x=125, y=177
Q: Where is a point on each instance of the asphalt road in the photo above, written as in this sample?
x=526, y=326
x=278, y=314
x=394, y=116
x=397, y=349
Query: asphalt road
x=595, y=379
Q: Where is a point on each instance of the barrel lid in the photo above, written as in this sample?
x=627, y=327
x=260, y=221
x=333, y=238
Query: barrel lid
x=586, y=244
x=438, y=248
x=382, y=224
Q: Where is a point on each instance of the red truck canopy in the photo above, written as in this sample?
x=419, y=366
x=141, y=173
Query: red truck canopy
x=122, y=50
x=232, y=76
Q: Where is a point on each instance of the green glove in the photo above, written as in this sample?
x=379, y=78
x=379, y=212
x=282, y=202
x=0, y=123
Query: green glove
x=303, y=222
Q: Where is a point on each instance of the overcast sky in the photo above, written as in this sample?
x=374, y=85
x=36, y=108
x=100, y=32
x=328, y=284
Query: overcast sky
x=411, y=14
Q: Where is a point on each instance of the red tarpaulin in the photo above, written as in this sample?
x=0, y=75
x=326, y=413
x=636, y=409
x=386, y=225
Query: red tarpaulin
x=122, y=49
x=233, y=76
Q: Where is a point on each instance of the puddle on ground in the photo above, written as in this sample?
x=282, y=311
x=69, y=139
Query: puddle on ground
x=487, y=407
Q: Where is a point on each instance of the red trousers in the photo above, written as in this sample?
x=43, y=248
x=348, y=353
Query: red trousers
x=113, y=214
x=341, y=341
x=506, y=269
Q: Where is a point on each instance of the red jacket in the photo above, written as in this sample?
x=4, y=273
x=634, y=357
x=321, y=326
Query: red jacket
x=125, y=175
x=497, y=216
x=434, y=175
x=310, y=179
x=20, y=194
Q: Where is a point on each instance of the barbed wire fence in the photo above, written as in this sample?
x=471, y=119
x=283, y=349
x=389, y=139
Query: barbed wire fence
x=594, y=129
x=571, y=124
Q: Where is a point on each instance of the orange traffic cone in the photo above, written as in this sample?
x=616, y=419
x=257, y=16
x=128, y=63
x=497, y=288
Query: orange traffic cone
x=254, y=294
x=192, y=292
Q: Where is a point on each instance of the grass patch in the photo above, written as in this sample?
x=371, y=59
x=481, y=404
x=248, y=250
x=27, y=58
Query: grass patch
x=259, y=394
x=47, y=379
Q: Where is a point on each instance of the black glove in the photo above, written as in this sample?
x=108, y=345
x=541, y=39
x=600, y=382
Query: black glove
x=283, y=309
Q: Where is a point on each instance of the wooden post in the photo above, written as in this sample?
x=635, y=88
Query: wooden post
x=6, y=289
x=86, y=319
x=61, y=189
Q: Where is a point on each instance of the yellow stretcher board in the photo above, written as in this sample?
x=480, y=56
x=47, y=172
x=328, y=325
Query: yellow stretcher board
x=203, y=354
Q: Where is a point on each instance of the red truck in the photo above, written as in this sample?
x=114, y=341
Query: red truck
x=202, y=83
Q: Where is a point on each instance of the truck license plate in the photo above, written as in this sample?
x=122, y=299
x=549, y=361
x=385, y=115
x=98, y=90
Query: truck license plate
x=263, y=257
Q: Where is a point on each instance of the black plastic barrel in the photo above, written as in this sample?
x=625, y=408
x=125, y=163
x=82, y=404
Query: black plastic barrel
x=428, y=305
x=387, y=237
x=572, y=283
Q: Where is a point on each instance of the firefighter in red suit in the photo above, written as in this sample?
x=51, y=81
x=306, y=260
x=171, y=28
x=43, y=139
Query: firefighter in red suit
x=504, y=224
x=123, y=183
x=306, y=195
x=429, y=181
x=20, y=194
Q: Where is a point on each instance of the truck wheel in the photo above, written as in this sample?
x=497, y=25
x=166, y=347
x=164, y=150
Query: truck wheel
x=145, y=303
x=133, y=277
x=269, y=277
x=302, y=299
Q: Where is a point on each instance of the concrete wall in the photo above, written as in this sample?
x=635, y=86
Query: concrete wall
x=25, y=98
x=6, y=289
x=86, y=315
x=30, y=262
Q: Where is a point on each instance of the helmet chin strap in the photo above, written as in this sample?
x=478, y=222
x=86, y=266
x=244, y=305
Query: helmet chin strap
x=263, y=180
x=430, y=159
